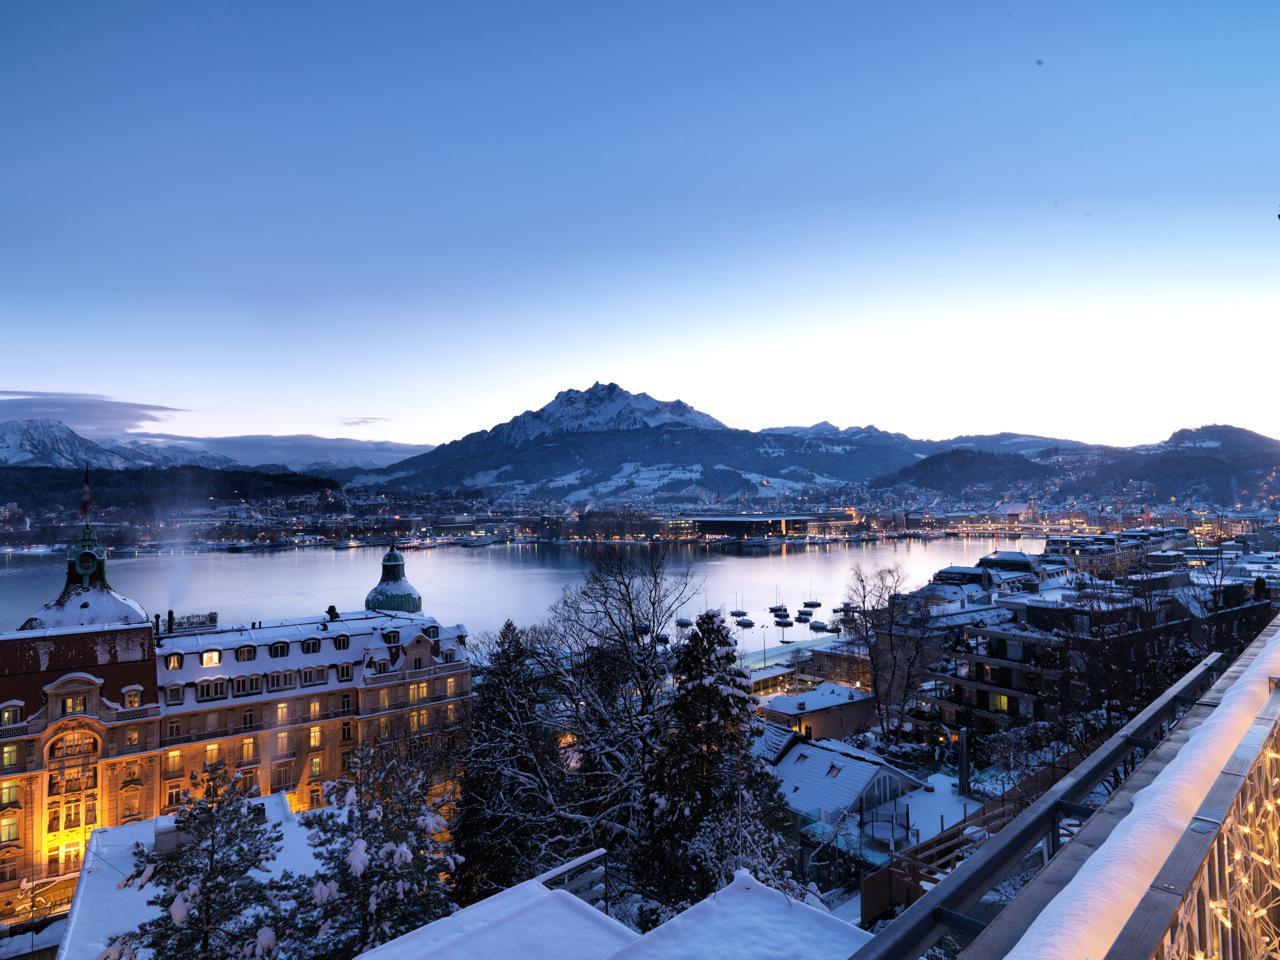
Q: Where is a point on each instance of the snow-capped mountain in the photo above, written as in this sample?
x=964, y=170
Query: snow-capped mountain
x=51, y=443
x=141, y=454
x=603, y=406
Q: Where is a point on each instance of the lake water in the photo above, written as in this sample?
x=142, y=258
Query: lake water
x=482, y=587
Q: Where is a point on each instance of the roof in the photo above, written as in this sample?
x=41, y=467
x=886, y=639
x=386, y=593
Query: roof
x=822, y=697
x=746, y=919
x=101, y=911
x=528, y=921
x=827, y=776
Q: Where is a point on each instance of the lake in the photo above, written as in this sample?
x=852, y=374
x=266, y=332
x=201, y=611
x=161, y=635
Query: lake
x=482, y=587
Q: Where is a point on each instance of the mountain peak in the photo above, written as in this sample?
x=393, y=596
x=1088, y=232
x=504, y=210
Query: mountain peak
x=602, y=406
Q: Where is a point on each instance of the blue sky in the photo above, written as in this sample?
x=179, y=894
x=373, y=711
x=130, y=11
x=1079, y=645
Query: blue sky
x=939, y=218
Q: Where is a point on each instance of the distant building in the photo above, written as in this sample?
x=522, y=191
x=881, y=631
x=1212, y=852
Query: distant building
x=827, y=710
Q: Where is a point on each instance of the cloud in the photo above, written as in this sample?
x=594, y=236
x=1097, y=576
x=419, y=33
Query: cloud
x=86, y=413
x=362, y=421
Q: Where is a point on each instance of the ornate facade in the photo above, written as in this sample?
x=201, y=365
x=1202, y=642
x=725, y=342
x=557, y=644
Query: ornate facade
x=104, y=714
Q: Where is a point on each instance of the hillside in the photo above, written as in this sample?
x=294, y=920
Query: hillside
x=957, y=471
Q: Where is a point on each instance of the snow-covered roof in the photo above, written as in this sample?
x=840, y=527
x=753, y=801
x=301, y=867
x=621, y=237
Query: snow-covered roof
x=527, y=921
x=822, y=697
x=94, y=606
x=101, y=910
x=747, y=919
x=826, y=776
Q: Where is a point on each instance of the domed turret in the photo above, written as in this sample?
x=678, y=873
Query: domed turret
x=393, y=591
x=86, y=596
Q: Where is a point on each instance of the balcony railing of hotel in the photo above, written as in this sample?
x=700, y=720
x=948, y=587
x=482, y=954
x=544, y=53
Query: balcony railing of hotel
x=1064, y=808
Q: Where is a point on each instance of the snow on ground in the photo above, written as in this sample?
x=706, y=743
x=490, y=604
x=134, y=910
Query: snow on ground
x=527, y=921
x=102, y=911
x=22, y=944
x=1087, y=915
x=748, y=919
x=927, y=807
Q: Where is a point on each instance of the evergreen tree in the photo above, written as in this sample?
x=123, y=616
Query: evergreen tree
x=382, y=848
x=710, y=805
x=506, y=828
x=213, y=903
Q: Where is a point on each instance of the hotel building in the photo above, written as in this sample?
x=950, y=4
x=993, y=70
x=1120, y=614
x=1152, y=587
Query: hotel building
x=104, y=713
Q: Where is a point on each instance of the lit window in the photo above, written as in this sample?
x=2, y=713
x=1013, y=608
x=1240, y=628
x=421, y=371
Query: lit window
x=210, y=753
x=9, y=755
x=248, y=748
x=73, y=704
x=210, y=658
x=315, y=737
x=132, y=699
x=10, y=715
x=173, y=796
x=173, y=761
x=8, y=794
x=173, y=661
x=282, y=743
x=315, y=709
x=282, y=713
x=315, y=766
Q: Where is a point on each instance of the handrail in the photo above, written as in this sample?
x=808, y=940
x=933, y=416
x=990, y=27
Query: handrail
x=923, y=923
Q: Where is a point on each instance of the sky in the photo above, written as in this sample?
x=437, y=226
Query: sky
x=408, y=221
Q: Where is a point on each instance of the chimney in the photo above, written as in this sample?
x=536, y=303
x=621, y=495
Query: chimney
x=170, y=622
x=332, y=612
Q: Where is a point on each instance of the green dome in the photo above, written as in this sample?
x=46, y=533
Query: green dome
x=393, y=591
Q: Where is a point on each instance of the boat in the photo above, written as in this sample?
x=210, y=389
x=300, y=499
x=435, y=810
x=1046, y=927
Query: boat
x=818, y=626
x=833, y=628
x=813, y=604
x=779, y=608
x=745, y=622
x=737, y=613
x=784, y=622
x=684, y=623
x=785, y=640
x=803, y=616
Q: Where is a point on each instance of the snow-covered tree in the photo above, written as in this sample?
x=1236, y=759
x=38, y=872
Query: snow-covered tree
x=709, y=805
x=382, y=847
x=214, y=903
x=507, y=827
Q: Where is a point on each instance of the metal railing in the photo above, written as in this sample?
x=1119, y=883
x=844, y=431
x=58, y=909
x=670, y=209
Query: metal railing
x=944, y=908
x=587, y=878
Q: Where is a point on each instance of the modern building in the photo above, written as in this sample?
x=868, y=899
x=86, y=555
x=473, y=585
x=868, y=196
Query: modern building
x=105, y=713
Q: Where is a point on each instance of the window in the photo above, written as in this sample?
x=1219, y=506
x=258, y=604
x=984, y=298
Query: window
x=210, y=753
x=314, y=738
x=344, y=702
x=341, y=643
x=314, y=709
x=282, y=713
x=173, y=795
x=132, y=699
x=8, y=829
x=417, y=721
x=73, y=816
x=281, y=777
x=278, y=650
x=74, y=744
x=246, y=719
x=173, y=696
x=9, y=756
x=131, y=737
x=55, y=820
x=246, y=686
x=10, y=715
x=173, y=661
x=282, y=743
x=8, y=870
x=432, y=633
x=248, y=749
x=417, y=663
x=451, y=686
x=173, y=761
x=344, y=672
x=346, y=731
x=245, y=654
x=280, y=681
x=346, y=761
x=175, y=729
x=314, y=675
x=73, y=704
x=311, y=645
x=132, y=774
x=418, y=691
x=8, y=794
x=315, y=795
x=90, y=812
x=391, y=638
x=210, y=658
x=211, y=690
x=315, y=766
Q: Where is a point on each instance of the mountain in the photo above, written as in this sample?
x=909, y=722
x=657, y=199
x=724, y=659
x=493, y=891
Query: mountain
x=603, y=406
x=605, y=442
x=960, y=470
x=1025, y=444
x=50, y=443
